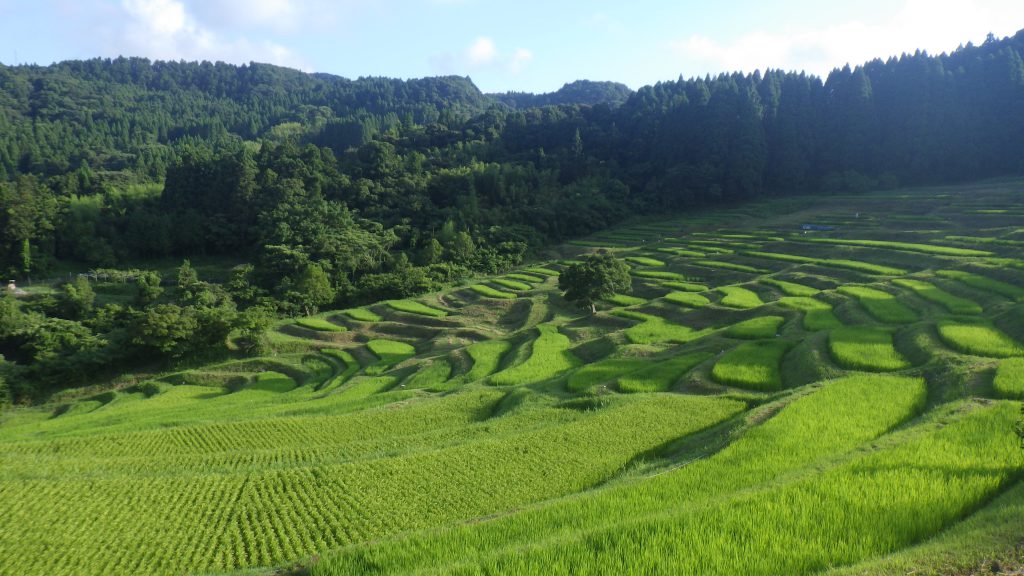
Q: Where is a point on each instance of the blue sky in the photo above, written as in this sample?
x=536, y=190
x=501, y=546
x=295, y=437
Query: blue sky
x=526, y=45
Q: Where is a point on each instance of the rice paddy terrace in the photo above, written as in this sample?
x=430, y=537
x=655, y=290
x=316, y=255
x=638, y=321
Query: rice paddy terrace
x=767, y=400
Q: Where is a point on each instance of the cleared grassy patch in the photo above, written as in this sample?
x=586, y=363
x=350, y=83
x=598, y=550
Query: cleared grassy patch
x=881, y=305
x=737, y=297
x=756, y=328
x=691, y=299
x=654, y=329
x=489, y=292
x=363, y=315
x=644, y=261
x=549, y=357
x=752, y=365
x=320, y=325
x=818, y=315
x=791, y=288
x=389, y=353
x=986, y=284
x=1009, y=380
x=604, y=371
x=905, y=246
x=865, y=348
x=661, y=376
x=512, y=284
x=930, y=292
x=625, y=300
x=414, y=307
x=978, y=338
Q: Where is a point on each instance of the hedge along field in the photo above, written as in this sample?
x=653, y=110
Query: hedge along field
x=930, y=292
x=549, y=357
x=881, y=305
x=817, y=314
x=861, y=409
x=978, y=338
x=1009, y=379
x=865, y=348
x=986, y=284
x=752, y=365
x=660, y=376
x=737, y=297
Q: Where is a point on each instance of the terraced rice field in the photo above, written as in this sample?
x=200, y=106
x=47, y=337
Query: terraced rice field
x=766, y=401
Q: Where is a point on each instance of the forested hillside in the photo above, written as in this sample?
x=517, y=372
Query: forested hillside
x=335, y=191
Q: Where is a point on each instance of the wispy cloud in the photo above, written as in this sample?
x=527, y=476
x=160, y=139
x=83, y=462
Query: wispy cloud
x=918, y=24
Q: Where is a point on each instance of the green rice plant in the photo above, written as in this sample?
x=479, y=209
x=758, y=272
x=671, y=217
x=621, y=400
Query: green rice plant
x=1009, y=380
x=320, y=325
x=682, y=252
x=737, y=297
x=985, y=240
x=655, y=330
x=512, y=284
x=661, y=376
x=489, y=292
x=362, y=387
x=930, y=292
x=598, y=243
x=659, y=275
x=986, y=284
x=541, y=270
x=271, y=382
x=754, y=468
x=978, y=338
x=603, y=371
x=625, y=300
x=756, y=328
x=832, y=262
x=752, y=365
x=865, y=348
x=790, y=288
x=906, y=246
x=431, y=377
x=363, y=315
x=486, y=357
x=414, y=307
x=685, y=286
x=549, y=357
x=691, y=299
x=881, y=305
x=730, y=266
x=525, y=278
x=644, y=261
x=818, y=315
x=389, y=352
x=350, y=367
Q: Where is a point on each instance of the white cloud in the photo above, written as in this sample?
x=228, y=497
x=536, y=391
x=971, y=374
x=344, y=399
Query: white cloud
x=167, y=30
x=481, y=55
x=932, y=25
x=482, y=51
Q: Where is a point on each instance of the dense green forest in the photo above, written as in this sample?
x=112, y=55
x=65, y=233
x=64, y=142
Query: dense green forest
x=335, y=192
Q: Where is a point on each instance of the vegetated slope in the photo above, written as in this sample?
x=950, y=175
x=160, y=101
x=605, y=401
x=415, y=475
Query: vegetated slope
x=523, y=435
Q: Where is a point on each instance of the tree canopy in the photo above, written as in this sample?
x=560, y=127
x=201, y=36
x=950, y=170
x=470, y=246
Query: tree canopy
x=597, y=277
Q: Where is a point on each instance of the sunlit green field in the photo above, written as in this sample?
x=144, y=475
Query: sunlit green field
x=765, y=401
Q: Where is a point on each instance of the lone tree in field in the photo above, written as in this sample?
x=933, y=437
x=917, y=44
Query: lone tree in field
x=600, y=276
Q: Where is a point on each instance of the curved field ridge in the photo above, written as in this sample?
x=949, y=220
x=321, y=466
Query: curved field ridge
x=907, y=246
x=737, y=297
x=881, y=305
x=865, y=348
x=621, y=522
x=932, y=293
x=817, y=314
x=549, y=357
x=655, y=329
x=414, y=307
